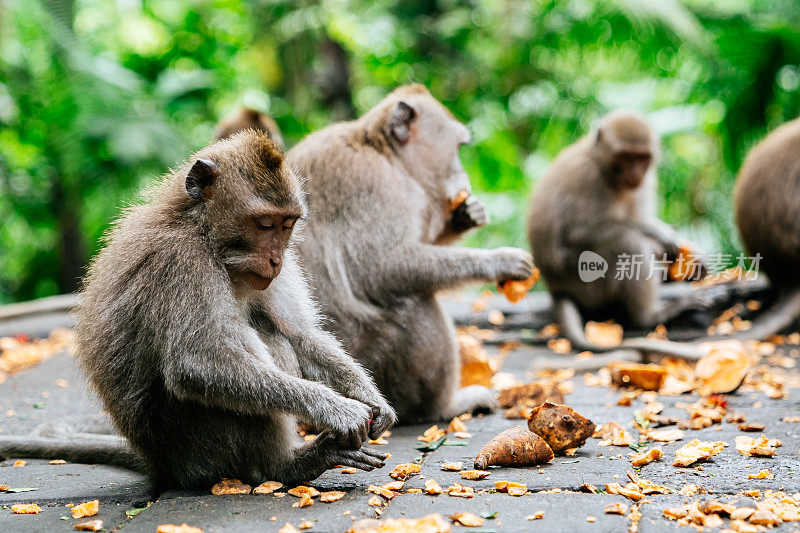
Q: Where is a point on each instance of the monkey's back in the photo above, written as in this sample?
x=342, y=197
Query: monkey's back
x=767, y=201
x=359, y=207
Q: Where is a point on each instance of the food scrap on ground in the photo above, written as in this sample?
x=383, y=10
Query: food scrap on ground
x=515, y=446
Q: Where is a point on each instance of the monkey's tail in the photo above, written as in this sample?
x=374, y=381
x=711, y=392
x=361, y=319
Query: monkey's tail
x=569, y=318
x=779, y=316
x=78, y=448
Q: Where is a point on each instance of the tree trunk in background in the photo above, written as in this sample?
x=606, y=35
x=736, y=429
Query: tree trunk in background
x=72, y=255
x=71, y=243
x=334, y=80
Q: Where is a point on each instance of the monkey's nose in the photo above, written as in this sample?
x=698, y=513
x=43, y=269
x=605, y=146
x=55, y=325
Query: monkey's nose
x=275, y=262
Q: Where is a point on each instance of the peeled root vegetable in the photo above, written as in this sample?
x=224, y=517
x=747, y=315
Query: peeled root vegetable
x=723, y=369
x=460, y=198
x=647, y=377
x=686, y=266
x=515, y=446
x=560, y=426
x=514, y=290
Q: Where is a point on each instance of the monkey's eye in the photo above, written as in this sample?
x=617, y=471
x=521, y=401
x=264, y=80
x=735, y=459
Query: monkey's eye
x=265, y=223
x=289, y=223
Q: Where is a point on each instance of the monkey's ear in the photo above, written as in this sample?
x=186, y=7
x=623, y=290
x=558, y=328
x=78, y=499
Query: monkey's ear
x=401, y=121
x=200, y=177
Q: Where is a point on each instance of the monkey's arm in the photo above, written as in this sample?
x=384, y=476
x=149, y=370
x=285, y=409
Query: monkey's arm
x=220, y=361
x=426, y=268
x=320, y=355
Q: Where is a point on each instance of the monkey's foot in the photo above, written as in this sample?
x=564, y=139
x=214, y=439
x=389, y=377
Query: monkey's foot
x=475, y=398
x=363, y=459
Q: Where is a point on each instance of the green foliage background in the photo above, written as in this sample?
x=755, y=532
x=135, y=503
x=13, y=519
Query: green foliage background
x=97, y=97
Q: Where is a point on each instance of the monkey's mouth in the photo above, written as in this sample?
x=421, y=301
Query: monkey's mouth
x=256, y=281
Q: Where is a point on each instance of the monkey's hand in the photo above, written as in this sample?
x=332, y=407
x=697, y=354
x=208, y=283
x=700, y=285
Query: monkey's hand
x=348, y=420
x=511, y=264
x=469, y=214
x=383, y=417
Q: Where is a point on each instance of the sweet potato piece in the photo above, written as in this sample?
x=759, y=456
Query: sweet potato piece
x=723, y=369
x=515, y=291
x=686, y=266
x=230, y=486
x=467, y=519
x=647, y=377
x=26, y=508
x=89, y=508
x=560, y=426
x=90, y=525
x=515, y=446
x=695, y=451
x=476, y=369
x=405, y=471
x=460, y=198
x=535, y=393
x=604, y=333
x=268, y=487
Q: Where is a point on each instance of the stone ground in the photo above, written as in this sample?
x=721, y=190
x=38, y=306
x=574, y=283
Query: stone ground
x=32, y=397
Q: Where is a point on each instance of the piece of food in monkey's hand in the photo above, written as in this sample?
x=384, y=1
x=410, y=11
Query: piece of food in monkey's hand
x=514, y=290
x=560, y=426
x=647, y=377
x=515, y=446
x=687, y=266
x=723, y=369
x=460, y=198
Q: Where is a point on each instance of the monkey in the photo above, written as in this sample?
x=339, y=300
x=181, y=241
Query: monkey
x=198, y=332
x=595, y=198
x=378, y=191
x=247, y=118
x=767, y=212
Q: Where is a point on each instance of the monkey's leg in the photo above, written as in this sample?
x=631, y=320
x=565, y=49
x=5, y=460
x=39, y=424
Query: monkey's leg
x=321, y=454
x=78, y=448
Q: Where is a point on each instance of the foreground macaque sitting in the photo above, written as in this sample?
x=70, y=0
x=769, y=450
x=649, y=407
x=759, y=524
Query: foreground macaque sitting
x=199, y=334
x=380, y=188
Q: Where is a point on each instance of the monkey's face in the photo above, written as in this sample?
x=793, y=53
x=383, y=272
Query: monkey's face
x=268, y=234
x=630, y=167
x=250, y=211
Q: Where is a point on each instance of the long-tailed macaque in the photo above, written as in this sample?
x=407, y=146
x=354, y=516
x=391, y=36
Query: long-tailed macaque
x=767, y=200
x=198, y=332
x=379, y=190
x=591, y=207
